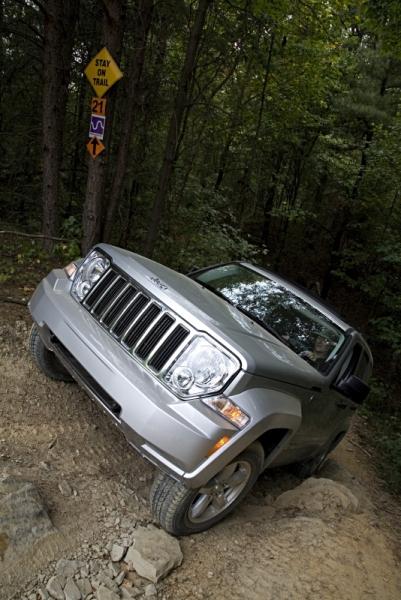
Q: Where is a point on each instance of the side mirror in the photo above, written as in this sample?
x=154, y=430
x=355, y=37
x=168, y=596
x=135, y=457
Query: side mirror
x=353, y=388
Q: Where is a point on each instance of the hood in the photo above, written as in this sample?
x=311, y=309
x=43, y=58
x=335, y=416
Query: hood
x=259, y=351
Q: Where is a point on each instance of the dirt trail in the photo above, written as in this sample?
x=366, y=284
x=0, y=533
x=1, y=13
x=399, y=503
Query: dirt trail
x=52, y=433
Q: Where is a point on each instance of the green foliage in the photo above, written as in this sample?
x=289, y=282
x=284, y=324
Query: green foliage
x=384, y=431
x=201, y=233
x=23, y=262
x=386, y=438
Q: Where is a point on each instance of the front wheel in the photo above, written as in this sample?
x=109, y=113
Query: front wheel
x=182, y=511
x=45, y=359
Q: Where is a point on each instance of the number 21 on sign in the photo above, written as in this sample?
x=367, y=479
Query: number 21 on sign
x=98, y=106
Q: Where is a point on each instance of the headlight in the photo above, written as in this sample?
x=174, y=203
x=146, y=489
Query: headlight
x=93, y=267
x=203, y=368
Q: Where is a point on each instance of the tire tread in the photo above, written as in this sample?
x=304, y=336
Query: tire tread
x=45, y=359
x=168, y=498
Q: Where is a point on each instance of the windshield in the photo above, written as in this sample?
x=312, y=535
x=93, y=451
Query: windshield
x=302, y=327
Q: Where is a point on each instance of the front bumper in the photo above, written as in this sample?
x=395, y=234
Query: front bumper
x=175, y=435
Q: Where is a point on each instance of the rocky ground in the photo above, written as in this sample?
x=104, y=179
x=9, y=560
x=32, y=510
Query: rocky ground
x=82, y=528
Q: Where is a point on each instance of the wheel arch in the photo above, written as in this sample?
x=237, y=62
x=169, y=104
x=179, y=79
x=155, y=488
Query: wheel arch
x=272, y=442
x=271, y=411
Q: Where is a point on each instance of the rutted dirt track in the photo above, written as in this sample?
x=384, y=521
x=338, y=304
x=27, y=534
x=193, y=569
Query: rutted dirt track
x=52, y=435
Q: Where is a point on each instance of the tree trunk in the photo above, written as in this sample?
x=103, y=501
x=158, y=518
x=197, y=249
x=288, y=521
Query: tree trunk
x=149, y=97
x=173, y=135
x=143, y=21
x=254, y=157
x=268, y=198
x=78, y=151
x=93, y=206
x=59, y=25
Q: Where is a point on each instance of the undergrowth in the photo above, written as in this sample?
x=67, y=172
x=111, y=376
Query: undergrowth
x=384, y=430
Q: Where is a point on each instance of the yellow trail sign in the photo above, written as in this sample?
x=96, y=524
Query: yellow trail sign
x=102, y=72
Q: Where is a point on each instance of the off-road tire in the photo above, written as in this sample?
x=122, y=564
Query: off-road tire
x=45, y=359
x=170, y=500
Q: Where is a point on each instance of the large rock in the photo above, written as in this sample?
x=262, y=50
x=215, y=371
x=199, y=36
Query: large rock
x=104, y=593
x=23, y=516
x=117, y=553
x=154, y=553
x=71, y=590
x=319, y=496
x=55, y=589
x=68, y=568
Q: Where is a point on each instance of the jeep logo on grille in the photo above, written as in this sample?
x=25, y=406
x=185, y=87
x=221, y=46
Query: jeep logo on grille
x=160, y=284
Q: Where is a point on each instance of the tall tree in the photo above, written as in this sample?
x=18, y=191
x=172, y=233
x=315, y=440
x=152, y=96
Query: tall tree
x=142, y=23
x=93, y=206
x=174, y=130
x=59, y=25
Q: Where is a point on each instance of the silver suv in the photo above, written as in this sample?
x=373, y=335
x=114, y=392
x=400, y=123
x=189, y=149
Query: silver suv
x=212, y=376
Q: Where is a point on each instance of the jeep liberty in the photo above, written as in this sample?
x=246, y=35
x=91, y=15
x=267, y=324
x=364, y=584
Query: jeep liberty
x=212, y=376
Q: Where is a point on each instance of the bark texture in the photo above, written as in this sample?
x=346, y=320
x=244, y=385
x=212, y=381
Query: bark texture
x=173, y=136
x=142, y=24
x=93, y=206
x=60, y=17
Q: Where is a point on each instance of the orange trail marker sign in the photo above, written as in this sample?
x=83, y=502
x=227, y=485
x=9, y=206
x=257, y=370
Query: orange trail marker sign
x=102, y=72
x=98, y=106
x=95, y=147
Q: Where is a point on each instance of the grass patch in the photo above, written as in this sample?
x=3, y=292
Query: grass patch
x=23, y=263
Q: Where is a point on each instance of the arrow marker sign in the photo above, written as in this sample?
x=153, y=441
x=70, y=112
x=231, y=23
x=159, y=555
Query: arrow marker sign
x=95, y=147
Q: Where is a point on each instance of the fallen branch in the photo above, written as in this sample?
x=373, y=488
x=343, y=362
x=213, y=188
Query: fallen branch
x=13, y=301
x=361, y=448
x=39, y=236
x=389, y=510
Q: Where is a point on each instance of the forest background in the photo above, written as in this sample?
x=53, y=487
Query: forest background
x=266, y=130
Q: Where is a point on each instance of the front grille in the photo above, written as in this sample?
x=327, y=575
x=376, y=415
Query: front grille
x=154, y=336
x=102, y=285
x=137, y=321
x=140, y=326
x=167, y=349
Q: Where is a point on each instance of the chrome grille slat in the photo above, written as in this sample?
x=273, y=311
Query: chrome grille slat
x=100, y=287
x=104, y=301
x=124, y=309
x=102, y=291
x=122, y=327
x=114, y=301
x=141, y=325
x=116, y=307
x=169, y=349
x=160, y=342
x=149, y=339
x=136, y=320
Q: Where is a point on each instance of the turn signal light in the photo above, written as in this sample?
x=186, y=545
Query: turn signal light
x=70, y=270
x=219, y=444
